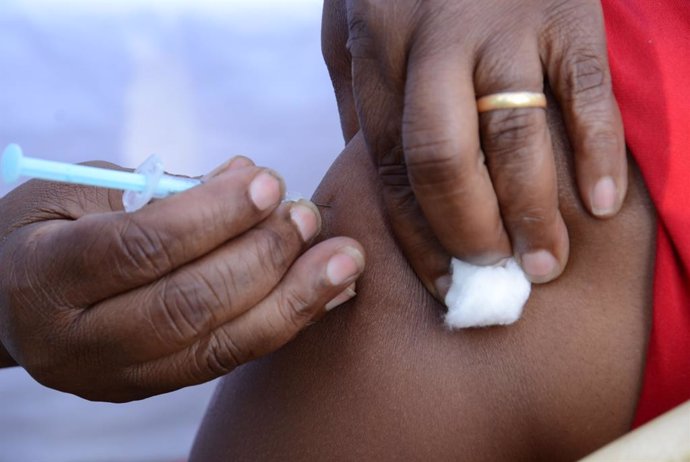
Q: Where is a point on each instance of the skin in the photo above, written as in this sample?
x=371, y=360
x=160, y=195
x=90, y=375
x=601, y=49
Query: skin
x=115, y=306
x=408, y=73
x=383, y=379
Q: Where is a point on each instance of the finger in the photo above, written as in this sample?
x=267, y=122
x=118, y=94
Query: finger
x=520, y=158
x=379, y=85
x=234, y=163
x=379, y=95
x=380, y=107
x=105, y=254
x=419, y=244
x=378, y=57
x=48, y=200
x=334, y=35
x=444, y=160
x=318, y=276
x=575, y=55
x=173, y=312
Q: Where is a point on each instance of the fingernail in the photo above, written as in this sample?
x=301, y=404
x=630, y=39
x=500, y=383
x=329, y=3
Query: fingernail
x=604, y=197
x=442, y=285
x=305, y=218
x=240, y=162
x=342, y=297
x=502, y=263
x=540, y=265
x=265, y=190
x=344, y=266
x=230, y=164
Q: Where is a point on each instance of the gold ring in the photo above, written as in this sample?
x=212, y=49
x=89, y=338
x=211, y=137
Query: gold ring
x=511, y=100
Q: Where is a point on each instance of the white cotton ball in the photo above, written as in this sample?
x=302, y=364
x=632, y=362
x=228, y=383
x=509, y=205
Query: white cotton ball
x=486, y=295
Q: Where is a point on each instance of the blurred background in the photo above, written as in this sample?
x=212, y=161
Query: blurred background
x=193, y=81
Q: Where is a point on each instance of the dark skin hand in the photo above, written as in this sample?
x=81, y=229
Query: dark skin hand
x=115, y=306
x=409, y=73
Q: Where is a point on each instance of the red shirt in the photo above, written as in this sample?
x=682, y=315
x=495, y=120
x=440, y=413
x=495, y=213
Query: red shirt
x=649, y=50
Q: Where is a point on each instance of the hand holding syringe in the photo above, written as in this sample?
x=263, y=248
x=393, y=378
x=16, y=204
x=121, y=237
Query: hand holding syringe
x=119, y=306
x=146, y=183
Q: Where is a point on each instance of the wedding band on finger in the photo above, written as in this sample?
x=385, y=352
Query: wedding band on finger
x=511, y=100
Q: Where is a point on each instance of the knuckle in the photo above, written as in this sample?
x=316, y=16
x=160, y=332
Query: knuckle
x=360, y=41
x=294, y=313
x=275, y=251
x=586, y=78
x=363, y=21
x=222, y=354
x=510, y=129
x=436, y=159
x=186, y=310
x=424, y=144
x=436, y=172
x=424, y=136
x=600, y=142
x=141, y=249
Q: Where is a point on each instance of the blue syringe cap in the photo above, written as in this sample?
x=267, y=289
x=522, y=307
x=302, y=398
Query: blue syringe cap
x=11, y=163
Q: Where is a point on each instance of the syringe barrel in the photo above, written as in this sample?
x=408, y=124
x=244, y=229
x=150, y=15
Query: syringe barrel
x=82, y=174
x=169, y=185
x=15, y=165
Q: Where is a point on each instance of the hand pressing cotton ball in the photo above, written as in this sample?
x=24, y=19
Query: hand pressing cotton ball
x=486, y=295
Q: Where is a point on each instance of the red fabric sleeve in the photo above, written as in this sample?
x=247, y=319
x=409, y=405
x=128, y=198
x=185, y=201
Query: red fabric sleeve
x=649, y=49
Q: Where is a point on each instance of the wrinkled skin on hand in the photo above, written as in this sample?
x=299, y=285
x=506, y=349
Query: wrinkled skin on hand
x=480, y=187
x=115, y=306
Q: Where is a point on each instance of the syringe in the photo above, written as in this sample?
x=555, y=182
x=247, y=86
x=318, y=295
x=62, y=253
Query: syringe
x=140, y=186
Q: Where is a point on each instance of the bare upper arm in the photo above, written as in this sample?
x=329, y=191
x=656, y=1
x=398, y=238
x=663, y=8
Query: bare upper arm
x=382, y=378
